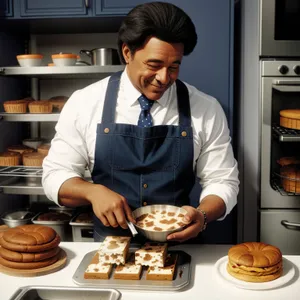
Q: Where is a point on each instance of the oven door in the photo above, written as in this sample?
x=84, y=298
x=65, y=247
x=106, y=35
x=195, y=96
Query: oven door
x=278, y=93
x=280, y=28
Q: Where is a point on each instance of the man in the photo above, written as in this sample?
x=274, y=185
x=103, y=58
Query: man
x=144, y=135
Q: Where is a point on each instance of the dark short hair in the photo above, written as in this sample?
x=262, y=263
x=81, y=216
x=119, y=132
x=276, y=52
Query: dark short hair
x=162, y=20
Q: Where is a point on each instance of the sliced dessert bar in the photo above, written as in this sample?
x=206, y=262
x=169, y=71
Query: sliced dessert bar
x=163, y=273
x=114, y=250
x=97, y=270
x=151, y=254
x=128, y=271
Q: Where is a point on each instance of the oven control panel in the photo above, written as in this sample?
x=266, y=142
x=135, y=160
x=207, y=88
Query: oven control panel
x=280, y=68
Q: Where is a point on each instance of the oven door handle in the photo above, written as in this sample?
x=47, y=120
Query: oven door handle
x=286, y=85
x=286, y=223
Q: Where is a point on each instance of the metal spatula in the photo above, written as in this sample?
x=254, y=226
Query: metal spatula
x=132, y=228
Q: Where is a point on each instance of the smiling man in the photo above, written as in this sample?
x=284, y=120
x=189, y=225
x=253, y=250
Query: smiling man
x=144, y=134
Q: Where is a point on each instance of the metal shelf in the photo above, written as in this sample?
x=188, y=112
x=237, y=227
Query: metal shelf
x=23, y=180
x=29, y=117
x=61, y=72
x=285, y=134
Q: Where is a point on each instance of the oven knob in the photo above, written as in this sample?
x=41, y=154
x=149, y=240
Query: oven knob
x=283, y=69
x=297, y=70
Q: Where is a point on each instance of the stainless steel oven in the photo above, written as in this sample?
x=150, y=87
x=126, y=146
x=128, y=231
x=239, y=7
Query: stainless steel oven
x=279, y=28
x=279, y=206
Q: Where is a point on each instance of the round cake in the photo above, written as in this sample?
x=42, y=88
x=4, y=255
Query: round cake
x=33, y=159
x=10, y=159
x=254, y=262
x=15, y=106
x=40, y=107
x=290, y=178
x=290, y=118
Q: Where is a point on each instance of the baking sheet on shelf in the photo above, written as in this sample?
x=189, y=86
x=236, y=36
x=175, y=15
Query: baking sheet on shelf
x=181, y=277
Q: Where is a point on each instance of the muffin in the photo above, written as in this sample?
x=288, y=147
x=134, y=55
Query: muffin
x=15, y=106
x=288, y=160
x=33, y=159
x=40, y=107
x=43, y=149
x=58, y=103
x=10, y=159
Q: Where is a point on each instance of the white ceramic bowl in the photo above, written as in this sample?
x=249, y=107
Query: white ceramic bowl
x=156, y=222
x=30, y=60
x=64, y=59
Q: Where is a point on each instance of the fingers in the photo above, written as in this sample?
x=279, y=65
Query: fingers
x=186, y=234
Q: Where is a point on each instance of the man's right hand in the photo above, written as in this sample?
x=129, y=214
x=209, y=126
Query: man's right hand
x=110, y=207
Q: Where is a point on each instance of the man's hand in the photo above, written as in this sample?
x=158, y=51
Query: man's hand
x=110, y=207
x=195, y=220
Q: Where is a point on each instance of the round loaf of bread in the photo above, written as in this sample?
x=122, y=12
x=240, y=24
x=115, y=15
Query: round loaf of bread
x=31, y=234
x=288, y=160
x=28, y=265
x=20, y=149
x=254, y=262
x=15, y=106
x=290, y=118
x=29, y=248
x=255, y=254
x=27, y=257
x=34, y=159
x=40, y=107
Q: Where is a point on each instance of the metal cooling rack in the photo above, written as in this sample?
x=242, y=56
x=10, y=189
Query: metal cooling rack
x=278, y=187
x=21, y=171
x=285, y=134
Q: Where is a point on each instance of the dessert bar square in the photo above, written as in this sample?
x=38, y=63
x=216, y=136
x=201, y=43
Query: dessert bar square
x=128, y=271
x=114, y=250
x=163, y=273
x=151, y=254
x=97, y=270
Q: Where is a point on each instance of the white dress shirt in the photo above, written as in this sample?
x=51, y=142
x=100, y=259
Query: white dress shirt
x=73, y=146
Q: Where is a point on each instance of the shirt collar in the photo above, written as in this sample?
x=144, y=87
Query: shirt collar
x=131, y=94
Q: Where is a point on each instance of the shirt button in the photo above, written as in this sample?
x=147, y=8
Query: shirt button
x=183, y=133
x=106, y=130
x=145, y=185
x=145, y=203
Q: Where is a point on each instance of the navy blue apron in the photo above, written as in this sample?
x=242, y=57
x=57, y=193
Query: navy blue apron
x=152, y=165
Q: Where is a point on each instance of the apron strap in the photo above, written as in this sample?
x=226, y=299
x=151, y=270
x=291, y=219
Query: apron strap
x=110, y=102
x=183, y=102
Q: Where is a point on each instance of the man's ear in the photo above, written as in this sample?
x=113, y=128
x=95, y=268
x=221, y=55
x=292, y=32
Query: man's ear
x=126, y=53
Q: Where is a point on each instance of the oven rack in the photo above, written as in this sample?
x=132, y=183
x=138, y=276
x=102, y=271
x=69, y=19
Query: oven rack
x=276, y=185
x=286, y=134
x=21, y=171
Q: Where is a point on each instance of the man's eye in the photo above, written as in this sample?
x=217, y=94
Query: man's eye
x=173, y=68
x=153, y=66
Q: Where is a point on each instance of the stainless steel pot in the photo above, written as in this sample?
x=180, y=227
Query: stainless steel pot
x=103, y=56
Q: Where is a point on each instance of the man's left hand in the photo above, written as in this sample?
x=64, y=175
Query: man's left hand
x=195, y=221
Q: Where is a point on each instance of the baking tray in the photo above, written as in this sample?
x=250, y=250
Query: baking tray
x=64, y=293
x=181, y=277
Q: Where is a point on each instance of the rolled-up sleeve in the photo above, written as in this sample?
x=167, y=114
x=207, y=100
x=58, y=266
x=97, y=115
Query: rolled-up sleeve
x=67, y=157
x=216, y=166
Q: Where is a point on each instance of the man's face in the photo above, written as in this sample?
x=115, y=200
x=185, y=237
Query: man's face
x=153, y=68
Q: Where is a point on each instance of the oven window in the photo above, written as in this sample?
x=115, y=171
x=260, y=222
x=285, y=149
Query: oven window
x=287, y=20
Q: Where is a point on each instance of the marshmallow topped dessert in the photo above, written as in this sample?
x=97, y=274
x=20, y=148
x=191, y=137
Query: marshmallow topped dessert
x=129, y=271
x=151, y=254
x=114, y=250
x=161, y=220
x=97, y=270
x=163, y=273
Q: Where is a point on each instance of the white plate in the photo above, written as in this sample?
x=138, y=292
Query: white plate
x=222, y=274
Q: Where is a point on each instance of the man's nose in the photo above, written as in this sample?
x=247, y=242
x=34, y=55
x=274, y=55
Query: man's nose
x=162, y=76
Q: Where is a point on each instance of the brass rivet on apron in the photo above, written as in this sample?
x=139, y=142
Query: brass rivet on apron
x=106, y=130
x=183, y=133
x=145, y=203
x=145, y=185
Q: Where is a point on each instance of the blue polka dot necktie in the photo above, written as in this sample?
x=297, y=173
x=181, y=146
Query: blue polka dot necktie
x=145, y=119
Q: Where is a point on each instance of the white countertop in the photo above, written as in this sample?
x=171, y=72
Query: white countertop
x=204, y=282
